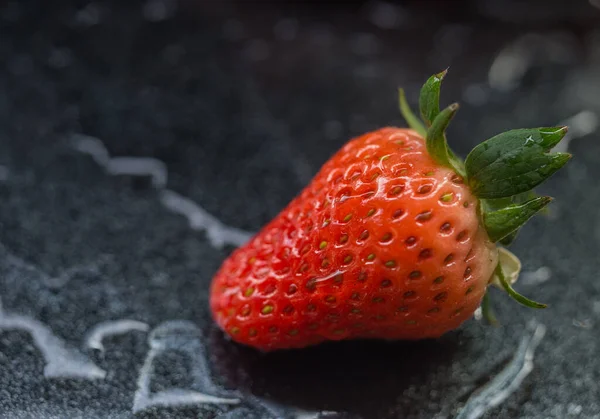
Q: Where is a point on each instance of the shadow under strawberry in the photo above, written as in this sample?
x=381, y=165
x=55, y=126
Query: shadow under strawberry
x=357, y=378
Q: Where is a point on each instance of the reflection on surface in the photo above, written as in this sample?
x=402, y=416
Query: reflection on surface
x=111, y=328
x=184, y=337
x=218, y=233
x=61, y=360
x=507, y=381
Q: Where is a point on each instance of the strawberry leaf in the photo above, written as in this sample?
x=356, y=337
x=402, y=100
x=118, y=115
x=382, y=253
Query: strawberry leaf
x=411, y=119
x=437, y=146
x=503, y=222
x=429, y=99
x=514, y=162
x=493, y=205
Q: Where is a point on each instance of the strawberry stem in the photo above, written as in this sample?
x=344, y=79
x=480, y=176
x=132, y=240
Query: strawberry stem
x=514, y=294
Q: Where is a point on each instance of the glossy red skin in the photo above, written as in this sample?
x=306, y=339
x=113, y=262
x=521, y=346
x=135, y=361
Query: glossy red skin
x=329, y=268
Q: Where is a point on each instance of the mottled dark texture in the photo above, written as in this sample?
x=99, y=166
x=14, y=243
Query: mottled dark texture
x=243, y=103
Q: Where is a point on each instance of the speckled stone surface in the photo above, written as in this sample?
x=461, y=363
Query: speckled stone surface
x=239, y=105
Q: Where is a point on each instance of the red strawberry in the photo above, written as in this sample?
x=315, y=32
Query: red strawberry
x=394, y=238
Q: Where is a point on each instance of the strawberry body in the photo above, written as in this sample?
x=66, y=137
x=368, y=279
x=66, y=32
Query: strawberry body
x=383, y=243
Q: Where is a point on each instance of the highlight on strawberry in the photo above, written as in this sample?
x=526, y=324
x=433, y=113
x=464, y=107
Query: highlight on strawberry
x=396, y=237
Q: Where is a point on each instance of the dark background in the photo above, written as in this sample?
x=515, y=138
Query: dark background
x=243, y=101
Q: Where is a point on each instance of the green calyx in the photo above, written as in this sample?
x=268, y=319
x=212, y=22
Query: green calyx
x=505, y=222
x=514, y=162
x=501, y=171
x=429, y=99
x=435, y=120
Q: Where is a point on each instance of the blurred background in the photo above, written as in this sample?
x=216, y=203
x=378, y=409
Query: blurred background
x=141, y=141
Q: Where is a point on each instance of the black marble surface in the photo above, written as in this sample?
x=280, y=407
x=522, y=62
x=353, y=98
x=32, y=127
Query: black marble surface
x=239, y=104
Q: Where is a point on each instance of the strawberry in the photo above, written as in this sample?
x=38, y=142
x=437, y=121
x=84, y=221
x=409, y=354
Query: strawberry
x=394, y=238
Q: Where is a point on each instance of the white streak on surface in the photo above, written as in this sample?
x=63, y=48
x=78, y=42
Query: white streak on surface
x=61, y=360
x=184, y=337
x=92, y=147
x=134, y=166
x=110, y=328
x=48, y=280
x=581, y=124
x=218, y=233
x=301, y=414
x=62, y=279
x=181, y=397
x=139, y=166
x=507, y=381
